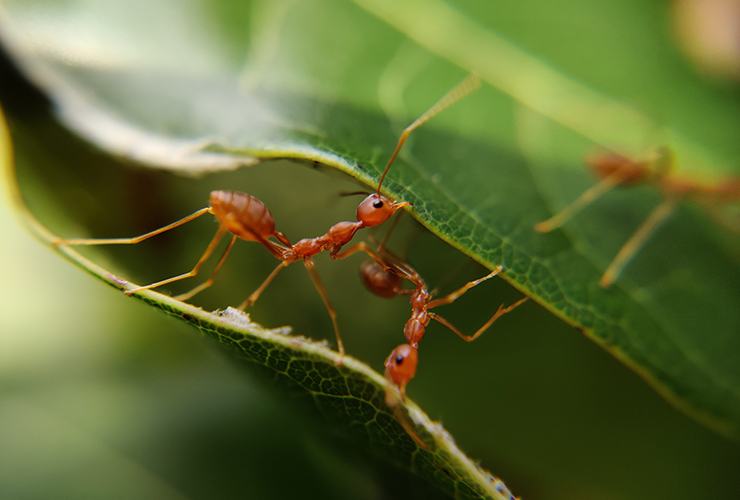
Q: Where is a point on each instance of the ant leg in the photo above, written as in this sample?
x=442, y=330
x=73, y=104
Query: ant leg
x=135, y=239
x=282, y=239
x=470, y=338
x=325, y=297
x=381, y=246
x=193, y=272
x=388, y=260
x=579, y=203
x=636, y=241
x=358, y=247
x=452, y=297
x=365, y=248
x=405, y=421
x=254, y=296
x=390, y=229
x=469, y=84
x=206, y=284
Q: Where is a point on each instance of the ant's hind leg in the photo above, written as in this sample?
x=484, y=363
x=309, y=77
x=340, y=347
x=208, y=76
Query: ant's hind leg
x=636, y=241
x=452, y=297
x=325, y=297
x=587, y=197
x=249, y=301
x=193, y=272
x=207, y=283
x=135, y=239
x=470, y=338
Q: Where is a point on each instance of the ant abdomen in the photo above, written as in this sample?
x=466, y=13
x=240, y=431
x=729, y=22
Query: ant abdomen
x=242, y=214
x=727, y=190
x=379, y=280
x=730, y=188
x=606, y=164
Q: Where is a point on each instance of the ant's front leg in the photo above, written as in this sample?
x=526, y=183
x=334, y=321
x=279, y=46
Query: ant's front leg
x=496, y=315
x=309, y=264
x=364, y=248
x=452, y=297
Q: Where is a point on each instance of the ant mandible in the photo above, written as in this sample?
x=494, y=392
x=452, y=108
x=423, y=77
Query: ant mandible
x=617, y=170
x=246, y=217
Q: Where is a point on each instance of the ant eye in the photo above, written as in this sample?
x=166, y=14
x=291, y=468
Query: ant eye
x=400, y=366
x=378, y=204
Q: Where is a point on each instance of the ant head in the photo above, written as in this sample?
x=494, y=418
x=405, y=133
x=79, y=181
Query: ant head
x=400, y=367
x=376, y=209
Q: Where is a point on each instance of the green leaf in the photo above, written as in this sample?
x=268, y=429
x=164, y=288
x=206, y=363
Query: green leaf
x=192, y=89
x=346, y=391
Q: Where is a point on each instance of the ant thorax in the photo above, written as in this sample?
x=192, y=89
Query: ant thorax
x=342, y=233
x=335, y=238
x=416, y=326
x=420, y=298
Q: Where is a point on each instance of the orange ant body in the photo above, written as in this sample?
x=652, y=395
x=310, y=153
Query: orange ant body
x=616, y=170
x=383, y=276
x=248, y=218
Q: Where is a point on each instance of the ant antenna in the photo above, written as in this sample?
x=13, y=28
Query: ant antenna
x=353, y=193
x=468, y=85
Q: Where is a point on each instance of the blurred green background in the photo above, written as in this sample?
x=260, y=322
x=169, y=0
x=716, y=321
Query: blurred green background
x=101, y=393
x=103, y=397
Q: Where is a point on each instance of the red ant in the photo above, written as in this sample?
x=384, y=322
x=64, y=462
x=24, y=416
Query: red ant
x=247, y=218
x=383, y=276
x=616, y=170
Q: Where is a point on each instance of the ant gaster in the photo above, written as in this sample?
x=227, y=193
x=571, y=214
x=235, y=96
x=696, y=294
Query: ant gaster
x=246, y=217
